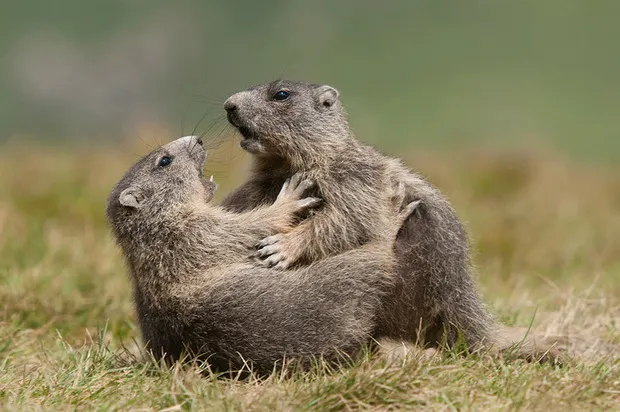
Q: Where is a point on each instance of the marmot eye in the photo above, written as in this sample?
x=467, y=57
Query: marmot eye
x=165, y=161
x=281, y=95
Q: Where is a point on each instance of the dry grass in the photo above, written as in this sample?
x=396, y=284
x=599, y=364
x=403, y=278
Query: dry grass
x=547, y=234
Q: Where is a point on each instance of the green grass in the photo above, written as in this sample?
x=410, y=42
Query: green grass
x=547, y=239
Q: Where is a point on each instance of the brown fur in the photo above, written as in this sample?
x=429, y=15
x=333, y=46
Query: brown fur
x=434, y=299
x=196, y=290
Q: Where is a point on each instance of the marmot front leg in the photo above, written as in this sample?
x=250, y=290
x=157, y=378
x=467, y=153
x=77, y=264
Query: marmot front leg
x=247, y=228
x=291, y=195
x=281, y=250
x=403, y=211
x=289, y=202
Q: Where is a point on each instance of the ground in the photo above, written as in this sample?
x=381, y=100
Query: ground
x=545, y=229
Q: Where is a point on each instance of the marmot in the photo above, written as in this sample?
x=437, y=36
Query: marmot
x=197, y=292
x=293, y=127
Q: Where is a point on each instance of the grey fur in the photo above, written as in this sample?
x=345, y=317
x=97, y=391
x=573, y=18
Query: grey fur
x=434, y=298
x=196, y=289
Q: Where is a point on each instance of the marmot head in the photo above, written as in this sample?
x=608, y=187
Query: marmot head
x=286, y=118
x=168, y=177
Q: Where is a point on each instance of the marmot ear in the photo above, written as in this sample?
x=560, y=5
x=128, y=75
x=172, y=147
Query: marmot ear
x=131, y=197
x=328, y=96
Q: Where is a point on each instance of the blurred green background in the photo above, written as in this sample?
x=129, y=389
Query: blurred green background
x=411, y=73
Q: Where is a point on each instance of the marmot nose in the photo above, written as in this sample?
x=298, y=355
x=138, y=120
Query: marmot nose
x=230, y=106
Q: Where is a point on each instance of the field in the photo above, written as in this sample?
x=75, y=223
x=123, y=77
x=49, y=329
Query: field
x=546, y=231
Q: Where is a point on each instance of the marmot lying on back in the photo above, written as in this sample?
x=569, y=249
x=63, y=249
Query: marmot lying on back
x=195, y=288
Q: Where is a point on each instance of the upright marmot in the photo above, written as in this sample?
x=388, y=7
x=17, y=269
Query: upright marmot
x=293, y=127
x=195, y=288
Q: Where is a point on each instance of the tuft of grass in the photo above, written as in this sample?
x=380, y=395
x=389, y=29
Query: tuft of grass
x=546, y=232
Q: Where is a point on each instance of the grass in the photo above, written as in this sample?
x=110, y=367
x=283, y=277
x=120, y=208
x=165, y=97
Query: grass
x=547, y=237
